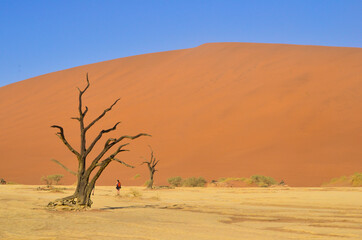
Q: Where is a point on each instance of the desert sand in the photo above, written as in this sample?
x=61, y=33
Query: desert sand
x=185, y=213
x=218, y=110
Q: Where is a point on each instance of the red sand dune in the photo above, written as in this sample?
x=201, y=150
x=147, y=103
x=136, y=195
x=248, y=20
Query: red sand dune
x=218, y=110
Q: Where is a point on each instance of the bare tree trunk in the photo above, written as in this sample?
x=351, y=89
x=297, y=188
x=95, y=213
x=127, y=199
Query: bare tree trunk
x=150, y=182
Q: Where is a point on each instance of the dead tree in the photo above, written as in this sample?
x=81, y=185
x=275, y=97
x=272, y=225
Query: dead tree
x=95, y=167
x=151, y=164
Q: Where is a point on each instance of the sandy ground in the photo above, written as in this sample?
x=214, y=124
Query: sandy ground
x=186, y=213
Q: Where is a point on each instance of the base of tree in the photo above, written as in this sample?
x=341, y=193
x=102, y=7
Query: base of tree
x=68, y=204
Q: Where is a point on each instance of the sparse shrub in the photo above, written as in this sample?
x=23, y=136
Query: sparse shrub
x=175, y=181
x=228, y=179
x=262, y=181
x=259, y=180
x=222, y=179
x=354, y=180
x=357, y=180
x=343, y=180
x=194, y=182
x=339, y=179
x=136, y=176
x=135, y=193
x=13, y=183
x=249, y=181
x=52, y=179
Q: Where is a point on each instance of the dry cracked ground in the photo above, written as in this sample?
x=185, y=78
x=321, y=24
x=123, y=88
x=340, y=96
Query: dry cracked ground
x=185, y=213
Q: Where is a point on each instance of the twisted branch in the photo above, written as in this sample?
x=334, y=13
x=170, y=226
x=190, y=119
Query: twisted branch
x=99, y=137
x=100, y=116
x=60, y=134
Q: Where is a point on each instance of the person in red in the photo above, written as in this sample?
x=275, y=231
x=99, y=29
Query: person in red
x=118, y=186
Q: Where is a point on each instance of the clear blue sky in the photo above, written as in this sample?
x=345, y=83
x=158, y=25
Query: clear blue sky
x=42, y=36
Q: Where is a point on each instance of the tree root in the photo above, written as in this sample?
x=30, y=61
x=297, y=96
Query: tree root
x=68, y=203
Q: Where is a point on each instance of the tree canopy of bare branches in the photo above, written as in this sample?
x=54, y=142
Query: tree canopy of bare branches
x=96, y=166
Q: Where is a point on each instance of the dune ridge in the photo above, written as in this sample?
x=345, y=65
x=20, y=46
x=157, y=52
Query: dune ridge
x=217, y=110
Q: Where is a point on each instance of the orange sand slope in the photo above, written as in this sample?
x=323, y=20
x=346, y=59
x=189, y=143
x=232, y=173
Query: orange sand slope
x=221, y=109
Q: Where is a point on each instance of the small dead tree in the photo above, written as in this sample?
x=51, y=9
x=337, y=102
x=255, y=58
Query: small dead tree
x=151, y=164
x=86, y=183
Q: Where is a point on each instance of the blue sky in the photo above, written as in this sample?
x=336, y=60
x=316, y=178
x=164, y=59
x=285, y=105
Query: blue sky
x=42, y=36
